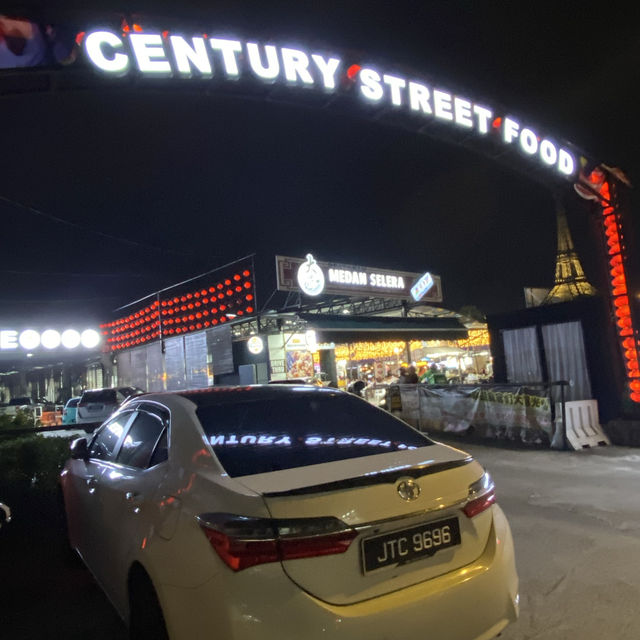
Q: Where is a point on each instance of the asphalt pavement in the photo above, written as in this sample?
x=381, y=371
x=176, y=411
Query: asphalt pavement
x=575, y=518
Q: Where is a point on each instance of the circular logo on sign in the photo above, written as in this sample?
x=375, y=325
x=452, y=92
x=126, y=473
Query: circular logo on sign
x=255, y=345
x=408, y=490
x=310, y=277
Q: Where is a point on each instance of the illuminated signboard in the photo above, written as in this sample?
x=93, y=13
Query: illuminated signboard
x=422, y=287
x=29, y=339
x=255, y=345
x=306, y=275
x=202, y=56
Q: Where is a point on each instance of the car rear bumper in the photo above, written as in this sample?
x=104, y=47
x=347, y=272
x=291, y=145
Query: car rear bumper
x=472, y=603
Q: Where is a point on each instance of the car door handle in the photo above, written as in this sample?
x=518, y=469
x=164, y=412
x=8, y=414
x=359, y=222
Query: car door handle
x=92, y=483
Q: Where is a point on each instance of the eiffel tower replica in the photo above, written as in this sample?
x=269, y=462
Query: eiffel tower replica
x=570, y=281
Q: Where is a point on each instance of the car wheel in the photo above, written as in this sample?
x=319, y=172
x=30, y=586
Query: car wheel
x=146, y=621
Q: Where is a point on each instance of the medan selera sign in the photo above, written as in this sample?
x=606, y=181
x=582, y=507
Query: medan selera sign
x=166, y=54
x=313, y=277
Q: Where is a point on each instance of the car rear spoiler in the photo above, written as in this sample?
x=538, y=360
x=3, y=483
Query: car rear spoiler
x=378, y=477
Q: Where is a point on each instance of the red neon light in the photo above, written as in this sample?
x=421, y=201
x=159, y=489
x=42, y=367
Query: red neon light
x=353, y=71
x=613, y=239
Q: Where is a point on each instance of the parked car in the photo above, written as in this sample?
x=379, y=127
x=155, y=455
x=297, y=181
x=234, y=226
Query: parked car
x=278, y=511
x=96, y=405
x=21, y=403
x=70, y=410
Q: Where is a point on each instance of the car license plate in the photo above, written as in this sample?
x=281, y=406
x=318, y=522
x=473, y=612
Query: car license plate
x=407, y=545
x=96, y=407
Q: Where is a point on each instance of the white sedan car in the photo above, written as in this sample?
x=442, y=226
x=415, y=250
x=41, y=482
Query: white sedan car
x=285, y=512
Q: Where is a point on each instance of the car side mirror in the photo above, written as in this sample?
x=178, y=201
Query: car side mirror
x=80, y=449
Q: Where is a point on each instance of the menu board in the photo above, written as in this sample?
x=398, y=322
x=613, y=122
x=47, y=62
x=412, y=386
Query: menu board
x=124, y=369
x=174, y=363
x=195, y=352
x=139, y=368
x=219, y=346
x=155, y=371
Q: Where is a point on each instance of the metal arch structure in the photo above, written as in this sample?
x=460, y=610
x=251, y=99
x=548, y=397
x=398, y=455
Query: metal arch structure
x=152, y=56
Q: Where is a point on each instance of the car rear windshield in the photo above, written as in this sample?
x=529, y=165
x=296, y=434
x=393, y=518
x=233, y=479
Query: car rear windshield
x=102, y=395
x=303, y=428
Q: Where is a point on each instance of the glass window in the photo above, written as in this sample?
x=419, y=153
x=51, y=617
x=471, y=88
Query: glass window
x=104, y=442
x=253, y=432
x=101, y=395
x=140, y=441
x=161, y=452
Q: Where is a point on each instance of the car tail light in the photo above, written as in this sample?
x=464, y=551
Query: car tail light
x=482, y=494
x=244, y=542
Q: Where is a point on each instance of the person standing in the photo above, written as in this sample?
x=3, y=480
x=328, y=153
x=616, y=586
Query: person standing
x=412, y=376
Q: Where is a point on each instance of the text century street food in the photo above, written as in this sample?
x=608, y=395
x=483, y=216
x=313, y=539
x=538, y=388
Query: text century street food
x=167, y=55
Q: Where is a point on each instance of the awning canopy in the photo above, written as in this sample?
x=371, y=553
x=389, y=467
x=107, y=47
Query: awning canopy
x=347, y=328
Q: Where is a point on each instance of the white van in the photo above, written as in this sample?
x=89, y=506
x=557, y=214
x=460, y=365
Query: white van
x=96, y=405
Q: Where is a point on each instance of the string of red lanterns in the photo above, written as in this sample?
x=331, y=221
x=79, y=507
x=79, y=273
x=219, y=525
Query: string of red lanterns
x=199, y=309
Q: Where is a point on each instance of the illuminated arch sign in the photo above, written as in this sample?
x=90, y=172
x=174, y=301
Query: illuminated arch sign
x=165, y=54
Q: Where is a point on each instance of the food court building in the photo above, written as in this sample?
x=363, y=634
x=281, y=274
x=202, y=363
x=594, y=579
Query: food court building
x=324, y=320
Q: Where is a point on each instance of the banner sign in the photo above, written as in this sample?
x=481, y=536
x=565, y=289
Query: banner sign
x=314, y=277
x=508, y=412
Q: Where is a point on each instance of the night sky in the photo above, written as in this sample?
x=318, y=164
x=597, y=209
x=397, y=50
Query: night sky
x=160, y=185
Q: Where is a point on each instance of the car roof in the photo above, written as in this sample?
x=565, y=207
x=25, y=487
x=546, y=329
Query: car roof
x=253, y=392
x=232, y=394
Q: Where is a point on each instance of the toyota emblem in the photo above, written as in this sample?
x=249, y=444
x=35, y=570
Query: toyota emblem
x=408, y=490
